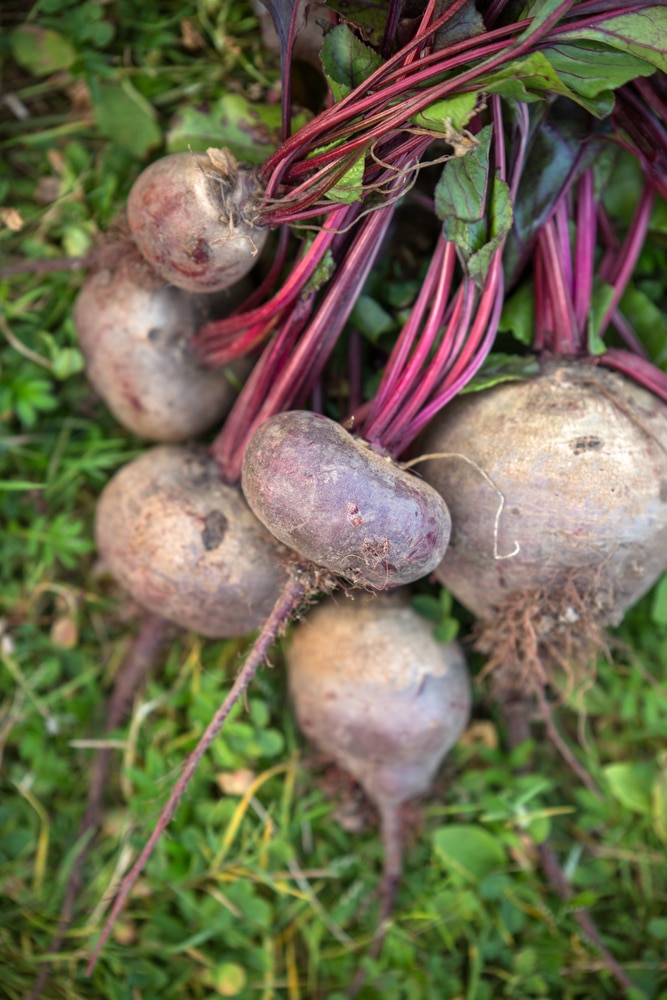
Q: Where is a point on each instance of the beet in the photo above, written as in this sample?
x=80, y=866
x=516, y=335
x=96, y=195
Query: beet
x=135, y=337
x=373, y=688
x=579, y=455
x=191, y=216
x=186, y=546
x=340, y=504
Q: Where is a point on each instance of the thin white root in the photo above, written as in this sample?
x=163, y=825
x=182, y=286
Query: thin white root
x=241, y=236
x=487, y=478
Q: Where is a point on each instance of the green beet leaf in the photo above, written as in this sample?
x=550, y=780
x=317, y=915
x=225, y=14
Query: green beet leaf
x=461, y=191
x=347, y=61
x=591, y=69
x=461, y=199
x=642, y=34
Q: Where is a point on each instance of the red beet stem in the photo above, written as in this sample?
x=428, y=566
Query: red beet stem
x=300, y=353
x=437, y=280
x=221, y=333
x=376, y=108
x=560, y=329
x=627, y=258
x=642, y=371
x=584, y=252
x=295, y=146
x=292, y=595
x=437, y=354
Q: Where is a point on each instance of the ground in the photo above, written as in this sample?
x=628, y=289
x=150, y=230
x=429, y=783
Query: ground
x=265, y=885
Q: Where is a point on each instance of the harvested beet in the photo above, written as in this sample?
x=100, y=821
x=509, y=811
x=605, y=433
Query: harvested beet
x=191, y=216
x=372, y=688
x=558, y=492
x=340, y=504
x=579, y=456
x=186, y=546
x=135, y=336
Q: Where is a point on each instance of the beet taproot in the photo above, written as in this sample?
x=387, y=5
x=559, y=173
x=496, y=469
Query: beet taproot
x=186, y=546
x=191, y=216
x=340, y=504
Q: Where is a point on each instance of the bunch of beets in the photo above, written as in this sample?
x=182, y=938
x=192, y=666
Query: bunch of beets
x=487, y=132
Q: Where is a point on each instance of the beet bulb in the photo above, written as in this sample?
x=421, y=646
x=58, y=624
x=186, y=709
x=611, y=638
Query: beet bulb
x=135, y=336
x=192, y=218
x=579, y=457
x=373, y=689
x=558, y=491
x=342, y=505
x=186, y=546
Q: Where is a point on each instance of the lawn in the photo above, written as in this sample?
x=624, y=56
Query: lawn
x=266, y=883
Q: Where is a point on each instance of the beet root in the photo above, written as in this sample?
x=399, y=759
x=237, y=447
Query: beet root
x=579, y=456
x=135, y=338
x=191, y=216
x=558, y=493
x=341, y=505
x=186, y=546
x=372, y=687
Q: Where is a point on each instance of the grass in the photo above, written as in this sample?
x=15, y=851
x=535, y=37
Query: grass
x=265, y=886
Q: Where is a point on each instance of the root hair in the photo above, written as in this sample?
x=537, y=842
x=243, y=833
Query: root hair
x=547, y=638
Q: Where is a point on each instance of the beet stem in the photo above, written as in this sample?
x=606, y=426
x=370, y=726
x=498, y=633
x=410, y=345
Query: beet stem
x=374, y=106
x=415, y=384
x=561, y=332
x=643, y=372
x=478, y=343
x=292, y=595
x=584, y=256
x=391, y=26
x=355, y=370
x=519, y=149
x=630, y=251
x=213, y=334
x=138, y=661
x=283, y=377
x=350, y=106
x=401, y=368
x=627, y=334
